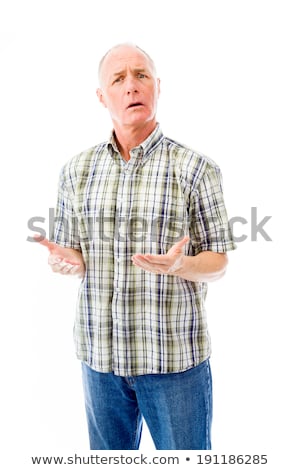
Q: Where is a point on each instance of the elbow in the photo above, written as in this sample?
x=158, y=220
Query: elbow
x=221, y=268
x=219, y=274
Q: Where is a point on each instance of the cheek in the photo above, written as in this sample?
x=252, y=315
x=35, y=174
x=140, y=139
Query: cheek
x=111, y=106
x=113, y=102
x=155, y=93
x=155, y=98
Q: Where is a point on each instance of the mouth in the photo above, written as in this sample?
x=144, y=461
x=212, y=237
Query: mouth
x=135, y=105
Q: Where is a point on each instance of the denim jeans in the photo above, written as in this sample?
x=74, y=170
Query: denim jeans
x=177, y=408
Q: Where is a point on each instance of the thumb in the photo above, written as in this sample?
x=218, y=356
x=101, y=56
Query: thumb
x=178, y=247
x=45, y=242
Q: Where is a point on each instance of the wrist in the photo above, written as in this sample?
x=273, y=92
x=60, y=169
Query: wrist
x=186, y=269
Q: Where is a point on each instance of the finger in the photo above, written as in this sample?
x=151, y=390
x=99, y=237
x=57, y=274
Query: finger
x=56, y=268
x=164, y=259
x=66, y=268
x=43, y=241
x=74, y=270
x=66, y=265
x=139, y=263
x=62, y=262
x=153, y=259
x=71, y=262
x=53, y=260
x=149, y=267
x=179, y=245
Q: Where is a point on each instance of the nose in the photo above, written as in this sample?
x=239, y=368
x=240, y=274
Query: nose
x=131, y=85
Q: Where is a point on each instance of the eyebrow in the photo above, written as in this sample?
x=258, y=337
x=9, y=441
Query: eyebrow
x=137, y=69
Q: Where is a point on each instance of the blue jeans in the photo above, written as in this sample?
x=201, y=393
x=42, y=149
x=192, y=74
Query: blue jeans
x=177, y=408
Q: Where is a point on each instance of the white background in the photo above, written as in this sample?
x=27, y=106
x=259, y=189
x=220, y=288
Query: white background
x=229, y=88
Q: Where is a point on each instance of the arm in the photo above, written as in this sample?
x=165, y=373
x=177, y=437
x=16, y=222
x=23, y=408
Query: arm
x=204, y=267
x=210, y=231
x=61, y=259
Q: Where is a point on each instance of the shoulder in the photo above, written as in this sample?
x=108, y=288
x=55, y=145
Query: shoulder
x=191, y=165
x=80, y=165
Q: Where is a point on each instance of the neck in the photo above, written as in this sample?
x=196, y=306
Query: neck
x=128, y=138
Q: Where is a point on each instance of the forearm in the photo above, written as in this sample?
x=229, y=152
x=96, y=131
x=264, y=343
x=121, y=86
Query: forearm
x=207, y=266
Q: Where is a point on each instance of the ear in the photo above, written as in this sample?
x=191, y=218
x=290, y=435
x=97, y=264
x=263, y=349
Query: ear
x=158, y=87
x=100, y=95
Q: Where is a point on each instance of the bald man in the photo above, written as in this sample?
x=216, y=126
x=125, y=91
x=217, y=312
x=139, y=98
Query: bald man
x=141, y=219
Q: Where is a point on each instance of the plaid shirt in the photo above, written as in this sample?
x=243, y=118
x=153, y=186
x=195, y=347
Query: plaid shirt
x=130, y=321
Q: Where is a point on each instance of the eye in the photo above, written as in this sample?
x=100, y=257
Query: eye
x=118, y=79
x=141, y=75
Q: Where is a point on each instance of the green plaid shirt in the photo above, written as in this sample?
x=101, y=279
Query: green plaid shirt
x=130, y=321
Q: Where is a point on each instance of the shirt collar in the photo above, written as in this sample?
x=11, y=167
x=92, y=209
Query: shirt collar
x=147, y=145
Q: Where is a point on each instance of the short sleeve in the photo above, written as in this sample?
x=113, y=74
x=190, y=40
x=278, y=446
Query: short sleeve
x=65, y=229
x=209, y=226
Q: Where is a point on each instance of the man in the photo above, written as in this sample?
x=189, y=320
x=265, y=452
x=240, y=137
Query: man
x=142, y=219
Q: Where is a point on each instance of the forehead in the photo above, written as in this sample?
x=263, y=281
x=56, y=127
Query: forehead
x=124, y=56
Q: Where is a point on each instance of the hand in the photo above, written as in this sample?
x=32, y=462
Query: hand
x=63, y=260
x=162, y=264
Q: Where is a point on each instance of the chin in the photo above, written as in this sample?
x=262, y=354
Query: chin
x=139, y=122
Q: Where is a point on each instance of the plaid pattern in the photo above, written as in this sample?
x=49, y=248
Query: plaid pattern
x=130, y=321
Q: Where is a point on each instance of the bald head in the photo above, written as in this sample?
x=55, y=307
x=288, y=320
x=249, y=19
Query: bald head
x=117, y=51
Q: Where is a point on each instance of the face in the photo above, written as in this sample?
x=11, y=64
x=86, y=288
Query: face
x=129, y=88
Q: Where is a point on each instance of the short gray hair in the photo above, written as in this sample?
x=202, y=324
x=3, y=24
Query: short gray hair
x=120, y=45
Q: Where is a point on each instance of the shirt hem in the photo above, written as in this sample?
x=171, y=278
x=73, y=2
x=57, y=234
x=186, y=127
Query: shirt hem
x=140, y=372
